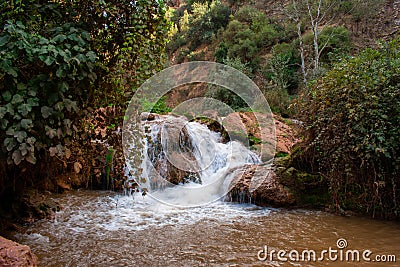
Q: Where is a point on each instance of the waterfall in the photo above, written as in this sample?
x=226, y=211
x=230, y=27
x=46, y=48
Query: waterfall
x=186, y=164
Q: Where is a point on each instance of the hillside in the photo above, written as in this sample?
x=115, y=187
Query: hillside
x=260, y=39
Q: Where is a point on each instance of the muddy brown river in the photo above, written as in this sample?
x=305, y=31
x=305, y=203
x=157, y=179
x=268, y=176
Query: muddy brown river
x=104, y=229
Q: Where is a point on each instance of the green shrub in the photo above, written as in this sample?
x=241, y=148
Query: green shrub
x=178, y=40
x=246, y=50
x=282, y=67
x=246, y=14
x=331, y=39
x=206, y=21
x=60, y=60
x=232, y=29
x=353, y=130
x=225, y=95
x=221, y=52
x=278, y=100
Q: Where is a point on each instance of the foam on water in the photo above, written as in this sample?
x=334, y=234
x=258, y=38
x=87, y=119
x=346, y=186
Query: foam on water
x=213, y=161
x=116, y=213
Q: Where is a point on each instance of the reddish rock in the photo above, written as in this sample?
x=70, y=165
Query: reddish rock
x=259, y=185
x=245, y=125
x=14, y=254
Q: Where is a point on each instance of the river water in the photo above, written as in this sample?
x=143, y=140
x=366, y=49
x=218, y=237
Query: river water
x=106, y=229
x=197, y=228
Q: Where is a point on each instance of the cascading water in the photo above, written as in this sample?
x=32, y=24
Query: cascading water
x=186, y=164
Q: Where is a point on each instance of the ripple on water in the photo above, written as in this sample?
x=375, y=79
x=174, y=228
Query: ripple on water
x=104, y=229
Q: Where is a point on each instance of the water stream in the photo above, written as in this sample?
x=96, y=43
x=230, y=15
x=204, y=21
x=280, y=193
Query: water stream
x=108, y=229
x=103, y=229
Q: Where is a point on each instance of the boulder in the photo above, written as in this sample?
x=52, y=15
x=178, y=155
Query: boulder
x=14, y=254
x=259, y=185
x=281, y=133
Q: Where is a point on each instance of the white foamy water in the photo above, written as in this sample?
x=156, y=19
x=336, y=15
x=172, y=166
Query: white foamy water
x=104, y=229
x=213, y=161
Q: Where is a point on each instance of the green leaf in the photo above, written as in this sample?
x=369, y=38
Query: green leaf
x=3, y=124
x=59, y=38
x=32, y=92
x=24, y=109
x=10, y=131
x=46, y=111
x=17, y=157
x=26, y=123
x=21, y=86
x=9, y=143
x=3, y=112
x=4, y=40
x=12, y=71
x=10, y=109
x=33, y=102
x=49, y=61
x=20, y=135
x=7, y=96
x=43, y=41
x=60, y=73
x=17, y=99
x=63, y=87
x=91, y=56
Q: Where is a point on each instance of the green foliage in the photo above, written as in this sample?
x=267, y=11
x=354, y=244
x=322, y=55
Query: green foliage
x=246, y=14
x=246, y=50
x=361, y=9
x=41, y=102
x=331, y=39
x=225, y=95
x=221, y=52
x=282, y=67
x=335, y=37
x=205, y=21
x=353, y=120
x=160, y=107
x=278, y=100
x=58, y=59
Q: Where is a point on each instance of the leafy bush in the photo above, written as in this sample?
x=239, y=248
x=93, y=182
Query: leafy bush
x=353, y=130
x=205, y=21
x=59, y=61
x=221, y=52
x=282, y=67
x=232, y=29
x=225, y=95
x=246, y=14
x=41, y=102
x=331, y=39
x=278, y=100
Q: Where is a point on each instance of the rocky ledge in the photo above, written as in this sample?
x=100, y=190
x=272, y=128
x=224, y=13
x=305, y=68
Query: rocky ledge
x=14, y=254
x=258, y=185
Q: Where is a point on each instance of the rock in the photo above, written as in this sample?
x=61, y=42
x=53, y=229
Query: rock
x=243, y=126
x=175, y=163
x=259, y=185
x=14, y=254
x=35, y=205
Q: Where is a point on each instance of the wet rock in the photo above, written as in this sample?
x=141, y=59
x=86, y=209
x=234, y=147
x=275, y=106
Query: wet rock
x=14, y=254
x=147, y=116
x=174, y=161
x=35, y=205
x=259, y=185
